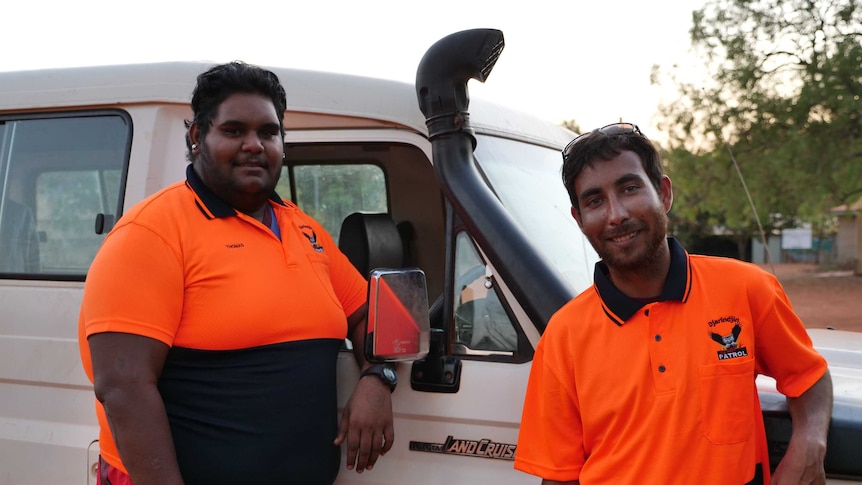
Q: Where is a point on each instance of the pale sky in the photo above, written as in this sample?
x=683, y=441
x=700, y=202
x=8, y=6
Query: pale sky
x=564, y=59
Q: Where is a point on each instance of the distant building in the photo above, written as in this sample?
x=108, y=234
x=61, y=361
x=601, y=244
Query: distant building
x=849, y=239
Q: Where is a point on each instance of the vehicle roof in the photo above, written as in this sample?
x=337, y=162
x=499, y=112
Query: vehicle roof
x=314, y=92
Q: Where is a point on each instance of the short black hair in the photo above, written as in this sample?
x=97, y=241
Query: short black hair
x=221, y=81
x=597, y=146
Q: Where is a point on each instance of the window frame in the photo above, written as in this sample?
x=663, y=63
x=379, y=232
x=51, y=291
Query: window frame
x=123, y=167
x=524, y=351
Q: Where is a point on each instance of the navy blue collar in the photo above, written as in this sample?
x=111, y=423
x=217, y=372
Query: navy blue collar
x=677, y=287
x=214, y=205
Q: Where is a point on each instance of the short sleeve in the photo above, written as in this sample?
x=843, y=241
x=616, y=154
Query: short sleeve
x=135, y=285
x=784, y=349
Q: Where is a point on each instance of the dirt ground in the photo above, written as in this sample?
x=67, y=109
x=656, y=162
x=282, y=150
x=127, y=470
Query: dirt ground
x=822, y=299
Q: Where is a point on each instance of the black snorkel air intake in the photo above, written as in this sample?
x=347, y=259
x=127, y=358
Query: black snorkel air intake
x=441, y=86
x=441, y=79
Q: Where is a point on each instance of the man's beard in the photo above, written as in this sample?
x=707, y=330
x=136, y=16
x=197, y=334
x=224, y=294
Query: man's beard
x=643, y=257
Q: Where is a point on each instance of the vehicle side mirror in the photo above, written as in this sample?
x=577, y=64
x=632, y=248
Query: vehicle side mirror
x=398, y=327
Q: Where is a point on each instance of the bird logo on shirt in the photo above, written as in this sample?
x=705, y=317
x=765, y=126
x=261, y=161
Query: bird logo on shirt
x=309, y=233
x=728, y=341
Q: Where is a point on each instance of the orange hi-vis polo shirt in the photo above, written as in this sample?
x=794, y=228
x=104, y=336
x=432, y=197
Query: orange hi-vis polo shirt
x=625, y=392
x=254, y=324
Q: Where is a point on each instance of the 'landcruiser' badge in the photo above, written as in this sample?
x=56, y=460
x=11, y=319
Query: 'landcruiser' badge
x=730, y=342
x=481, y=449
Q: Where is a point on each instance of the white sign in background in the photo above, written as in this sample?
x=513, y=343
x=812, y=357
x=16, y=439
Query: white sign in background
x=796, y=239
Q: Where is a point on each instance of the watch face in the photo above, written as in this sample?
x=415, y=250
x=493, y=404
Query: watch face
x=389, y=374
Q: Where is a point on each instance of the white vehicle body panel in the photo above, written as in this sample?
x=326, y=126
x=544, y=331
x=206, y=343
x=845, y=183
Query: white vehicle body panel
x=47, y=422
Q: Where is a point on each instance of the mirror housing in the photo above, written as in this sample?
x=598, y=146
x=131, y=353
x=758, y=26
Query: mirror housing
x=398, y=327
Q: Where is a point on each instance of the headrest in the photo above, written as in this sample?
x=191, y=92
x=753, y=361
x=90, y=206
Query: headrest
x=371, y=241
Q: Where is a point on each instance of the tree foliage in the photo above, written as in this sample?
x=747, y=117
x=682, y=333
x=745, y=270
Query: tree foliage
x=573, y=126
x=782, y=104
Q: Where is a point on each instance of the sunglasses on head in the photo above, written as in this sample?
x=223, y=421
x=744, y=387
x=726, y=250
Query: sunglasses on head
x=608, y=130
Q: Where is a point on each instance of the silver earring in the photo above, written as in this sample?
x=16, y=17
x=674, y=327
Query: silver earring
x=194, y=146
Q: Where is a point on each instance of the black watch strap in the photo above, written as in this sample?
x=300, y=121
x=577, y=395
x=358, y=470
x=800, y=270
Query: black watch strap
x=383, y=372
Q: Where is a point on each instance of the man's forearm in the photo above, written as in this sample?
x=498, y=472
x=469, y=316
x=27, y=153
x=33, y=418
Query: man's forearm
x=812, y=411
x=810, y=415
x=141, y=432
x=356, y=333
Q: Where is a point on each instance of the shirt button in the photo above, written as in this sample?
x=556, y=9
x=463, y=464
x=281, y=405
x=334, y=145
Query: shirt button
x=646, y=312
x=658, y=338
x=661, y=368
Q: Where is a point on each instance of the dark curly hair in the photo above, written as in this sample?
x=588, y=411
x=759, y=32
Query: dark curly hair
x=598, y=145
x=221, y=81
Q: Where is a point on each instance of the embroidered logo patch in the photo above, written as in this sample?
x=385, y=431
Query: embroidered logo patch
x=729, y=342
x=309, y=233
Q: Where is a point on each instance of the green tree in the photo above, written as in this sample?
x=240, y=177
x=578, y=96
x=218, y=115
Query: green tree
x=782, y=106
x=573, y=126
x=329, y=193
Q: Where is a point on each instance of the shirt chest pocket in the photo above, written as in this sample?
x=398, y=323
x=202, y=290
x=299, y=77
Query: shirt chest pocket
x=727, y=396
x=320, y=266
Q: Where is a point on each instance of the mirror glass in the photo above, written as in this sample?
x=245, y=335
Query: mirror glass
x=398, y=325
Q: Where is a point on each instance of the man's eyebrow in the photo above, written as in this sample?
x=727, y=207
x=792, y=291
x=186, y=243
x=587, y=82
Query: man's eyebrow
x=628, y=178
x=272, y=125
x=589, y=193
x=243, y=123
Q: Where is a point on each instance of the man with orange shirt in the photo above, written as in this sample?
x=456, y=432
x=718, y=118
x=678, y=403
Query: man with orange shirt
x=214, y=312
x=648, y=376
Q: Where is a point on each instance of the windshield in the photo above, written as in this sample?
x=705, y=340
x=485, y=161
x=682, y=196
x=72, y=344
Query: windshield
x=527, y=180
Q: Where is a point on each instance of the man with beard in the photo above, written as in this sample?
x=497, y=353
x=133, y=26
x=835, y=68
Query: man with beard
x=649, y=375
x=214, y=312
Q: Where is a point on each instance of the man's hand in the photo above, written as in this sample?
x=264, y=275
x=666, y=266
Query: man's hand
x=802, y=464
x=367, y=424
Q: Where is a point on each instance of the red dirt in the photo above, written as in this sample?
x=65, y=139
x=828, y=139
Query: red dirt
x=822, y=299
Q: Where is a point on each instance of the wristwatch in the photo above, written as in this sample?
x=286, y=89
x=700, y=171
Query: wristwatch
x=385, y=373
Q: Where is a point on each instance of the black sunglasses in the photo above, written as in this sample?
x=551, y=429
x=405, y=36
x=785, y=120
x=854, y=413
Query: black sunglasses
x=608, y=130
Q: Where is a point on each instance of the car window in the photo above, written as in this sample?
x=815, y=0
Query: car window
x=330, y=193
x=517, y=171
x=481, y=321
x=60, y=191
